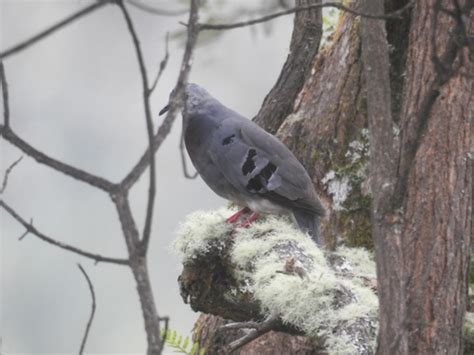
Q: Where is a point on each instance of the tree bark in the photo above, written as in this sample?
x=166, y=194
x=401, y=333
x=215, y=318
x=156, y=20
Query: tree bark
x=437, y=229
x=304, y=46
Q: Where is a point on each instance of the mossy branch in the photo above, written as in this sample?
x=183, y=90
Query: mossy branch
x=273, y=270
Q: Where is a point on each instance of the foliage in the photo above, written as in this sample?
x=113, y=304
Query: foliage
x=180, y=344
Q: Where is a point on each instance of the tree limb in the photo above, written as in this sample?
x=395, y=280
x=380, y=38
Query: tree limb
x=69, y=170
x=175, y=104
x=7, y=173
x=395, y=14
x=31, y=229
x=68, y=20
x=149, y=126
x=93, y=306
x=6, y=103
x=163, y=64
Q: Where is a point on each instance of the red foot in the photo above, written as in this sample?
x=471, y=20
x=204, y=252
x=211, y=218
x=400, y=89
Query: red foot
x=249, y=220
x=235, y=217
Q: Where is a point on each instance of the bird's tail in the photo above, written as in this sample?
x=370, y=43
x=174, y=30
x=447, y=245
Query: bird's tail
x=309, y=222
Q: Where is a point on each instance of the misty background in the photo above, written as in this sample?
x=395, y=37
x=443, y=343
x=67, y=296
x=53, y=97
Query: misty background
x=77, y=97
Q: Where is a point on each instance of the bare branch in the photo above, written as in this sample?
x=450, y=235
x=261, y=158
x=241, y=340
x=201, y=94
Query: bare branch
x=182, y=152
x=395, y=14
x=165, y=127
x=155, y=11
x=7, y=173
x=57, y=165
x=93, y=306
x=68, y=20
x=259, y=330
x=163, y=64
x=149, y=127
x=6, y=107
x=31, y=229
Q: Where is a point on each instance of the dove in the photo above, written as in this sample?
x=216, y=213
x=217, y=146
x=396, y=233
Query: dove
x=243, y=163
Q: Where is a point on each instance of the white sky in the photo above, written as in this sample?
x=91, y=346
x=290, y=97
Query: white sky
x=77, y=97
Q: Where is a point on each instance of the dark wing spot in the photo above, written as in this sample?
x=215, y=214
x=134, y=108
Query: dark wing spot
x=259, y=181
x=228, y=140
x=268, y=171
x=249, y=164
x=254, y=184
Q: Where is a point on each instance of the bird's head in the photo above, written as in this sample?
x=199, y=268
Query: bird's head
x=194, y=97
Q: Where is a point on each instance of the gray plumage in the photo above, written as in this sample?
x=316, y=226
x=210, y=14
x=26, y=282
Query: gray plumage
x=245, y=164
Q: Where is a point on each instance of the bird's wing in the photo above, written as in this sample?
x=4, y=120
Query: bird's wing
x=255, y=162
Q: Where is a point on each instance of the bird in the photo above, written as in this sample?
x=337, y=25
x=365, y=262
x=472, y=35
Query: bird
x=245, y=164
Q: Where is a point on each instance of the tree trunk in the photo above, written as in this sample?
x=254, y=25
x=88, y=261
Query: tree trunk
x=437, y=125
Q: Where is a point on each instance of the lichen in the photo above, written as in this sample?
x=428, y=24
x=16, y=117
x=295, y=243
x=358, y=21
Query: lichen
x=324, y=302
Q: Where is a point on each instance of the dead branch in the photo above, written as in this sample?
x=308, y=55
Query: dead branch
x=32, y=229
x=395, y=14
x=163, y=64
x=6, y=108
x=93, y=306
x=43, y=34
x=149, y=126
x=176, y=103
x=7, y=174
x=7, y=133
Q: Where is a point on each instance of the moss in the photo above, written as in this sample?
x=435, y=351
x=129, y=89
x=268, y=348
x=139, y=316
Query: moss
x=322, y=303
x=469, y=334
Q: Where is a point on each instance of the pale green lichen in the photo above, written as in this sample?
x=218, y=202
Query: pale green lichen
x=325, y=302
x=201, y=228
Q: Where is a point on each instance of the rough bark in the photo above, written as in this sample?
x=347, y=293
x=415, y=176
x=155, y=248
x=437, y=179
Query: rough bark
x=326, y=132
x=385, y=221
x=304, y=45
x=437, y=228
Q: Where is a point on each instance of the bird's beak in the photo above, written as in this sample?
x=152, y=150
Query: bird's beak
x=164, y=109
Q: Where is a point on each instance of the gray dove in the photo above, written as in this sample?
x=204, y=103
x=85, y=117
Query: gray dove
x=243, y=163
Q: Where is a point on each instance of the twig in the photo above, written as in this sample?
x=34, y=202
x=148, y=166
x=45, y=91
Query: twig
x=6, y=107
x=240, y=325
x=57, y=165
x=26, y=231
x=31, y=229
x=165, y=330
x=163, y=64
x=395, y=14
x=149, y=125
x=175, y=105
x=259, y=330
x=155, y=11
x=93, y=306
x=53, y=28
x=184, y=164
x=7, y=173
